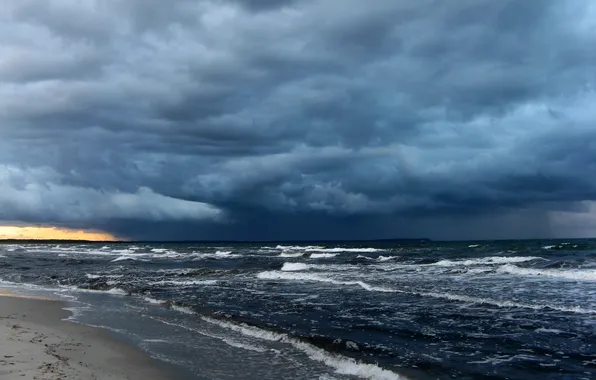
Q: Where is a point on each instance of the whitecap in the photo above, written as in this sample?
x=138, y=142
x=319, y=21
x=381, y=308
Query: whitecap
x=300, y=276
x=503, y=303
x=287, y=254
x=341, y=364
x=340, y=249
x=291, y=267
x=566, y=274
x=186, y=283
x=296, y=247
x=117, y=291
x=124, y=258
x=386, y=258
x=160, y=250
x=322, y=255
x=154, y=301
x=486, y=261
x=278, y=275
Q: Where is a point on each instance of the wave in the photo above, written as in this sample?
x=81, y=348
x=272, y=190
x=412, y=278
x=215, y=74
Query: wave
x=124, y=258
x=276, y=275
x=486, y=261
x=117, y=291
x=503, y=303
x=297, y=247
x=315, y=248
x=322, y=255
x=339, y=250
x=185, y=283
x=342, y=364
x=229, y=341
x=160, y=250
x=567, y=274
x=291, y=267
x=154, y=301
x=387, y=258
x=288, y=254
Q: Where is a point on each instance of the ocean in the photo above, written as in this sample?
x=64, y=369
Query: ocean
x=341, y=310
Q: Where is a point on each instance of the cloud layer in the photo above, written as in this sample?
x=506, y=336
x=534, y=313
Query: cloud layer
x=298, y=119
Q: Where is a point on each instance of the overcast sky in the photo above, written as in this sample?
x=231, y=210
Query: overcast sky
x=298, y=119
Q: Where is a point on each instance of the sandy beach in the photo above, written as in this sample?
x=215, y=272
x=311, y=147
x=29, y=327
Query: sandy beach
x=35, y=343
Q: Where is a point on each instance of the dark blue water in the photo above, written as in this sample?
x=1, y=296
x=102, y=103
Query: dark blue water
x=419, y=310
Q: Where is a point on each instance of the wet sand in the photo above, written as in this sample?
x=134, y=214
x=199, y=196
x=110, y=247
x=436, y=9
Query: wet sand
x=35, y=343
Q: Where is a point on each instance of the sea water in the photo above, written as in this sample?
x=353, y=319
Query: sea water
x=369, y=310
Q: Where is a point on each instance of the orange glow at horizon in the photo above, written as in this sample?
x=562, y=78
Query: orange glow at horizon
x=52, y=233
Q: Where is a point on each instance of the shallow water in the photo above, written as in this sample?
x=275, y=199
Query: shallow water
x=421, y=310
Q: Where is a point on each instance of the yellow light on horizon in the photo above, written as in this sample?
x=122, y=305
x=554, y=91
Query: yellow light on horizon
x=52, y=233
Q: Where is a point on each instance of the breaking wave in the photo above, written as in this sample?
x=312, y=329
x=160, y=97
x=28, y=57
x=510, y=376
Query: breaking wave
x=486, y=261
x=566, y=274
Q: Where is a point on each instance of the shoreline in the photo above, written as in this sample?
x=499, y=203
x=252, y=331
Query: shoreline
x=37, y=343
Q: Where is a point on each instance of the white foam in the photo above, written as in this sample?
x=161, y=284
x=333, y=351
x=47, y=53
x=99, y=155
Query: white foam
x=223, y=253
x=160, y=250
x=187, y=283
x=225, y=339
x=293, y=276
x=341, y=364
x=315, y=248
x=486, y=261
x=155, y=341
x=473, y=245
x=340, y=249
x=92, y=276
x=566, y=274
x=154, y=301
x=117, y=291
x=291, y=267
x=295, y=247
x=499, y=359
x=504, y=303
x=291, y=254
x=124, y=258
x=548, y=331
x=549, y=247
x=300, y=276
x=322, y=255
x=183, y=309
x=386, y=258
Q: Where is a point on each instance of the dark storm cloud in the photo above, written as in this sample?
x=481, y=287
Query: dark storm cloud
x=356, y=118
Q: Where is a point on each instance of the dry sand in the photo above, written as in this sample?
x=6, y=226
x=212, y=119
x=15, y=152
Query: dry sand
x=35, y=343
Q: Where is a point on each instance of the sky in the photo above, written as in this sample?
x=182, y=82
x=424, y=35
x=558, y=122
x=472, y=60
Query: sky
x=299, y=119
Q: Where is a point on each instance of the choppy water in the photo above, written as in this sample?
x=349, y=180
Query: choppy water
x=423, y=310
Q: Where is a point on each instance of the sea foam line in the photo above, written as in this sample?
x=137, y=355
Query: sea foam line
x=299, y=276
x=567, y=274
x=277, y=275
x=342, y=364
x=486, y=261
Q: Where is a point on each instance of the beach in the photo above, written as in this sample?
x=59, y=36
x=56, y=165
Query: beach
x=36, y=343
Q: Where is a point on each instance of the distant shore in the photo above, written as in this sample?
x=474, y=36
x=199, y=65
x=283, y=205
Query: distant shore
x=36, y=343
